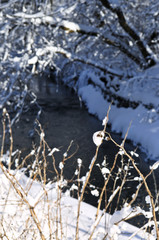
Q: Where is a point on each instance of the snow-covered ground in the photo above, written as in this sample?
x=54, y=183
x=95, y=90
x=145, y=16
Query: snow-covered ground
x=26, y=204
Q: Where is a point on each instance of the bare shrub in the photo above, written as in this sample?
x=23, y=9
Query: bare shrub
x=35, y=208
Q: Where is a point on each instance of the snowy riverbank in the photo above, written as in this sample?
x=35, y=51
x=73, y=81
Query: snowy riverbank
x=29, y=206
x=143, y=90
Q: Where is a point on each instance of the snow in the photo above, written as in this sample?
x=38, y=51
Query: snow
x=77, y=27
x=33, y=60
x=53, y=150
x=25, y=15
x=15, y=213
x=105, y=171
x=98, y=138
x=155, y=165
x=145, y=83
x=79, y=161
x=144, y=122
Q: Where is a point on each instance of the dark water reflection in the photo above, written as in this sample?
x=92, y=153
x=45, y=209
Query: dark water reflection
x=64, y=119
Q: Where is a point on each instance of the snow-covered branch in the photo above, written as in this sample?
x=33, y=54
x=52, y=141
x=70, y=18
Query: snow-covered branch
x=149, y=59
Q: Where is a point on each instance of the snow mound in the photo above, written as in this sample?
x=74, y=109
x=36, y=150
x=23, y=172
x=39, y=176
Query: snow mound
x=144, y=118
x=27, y=206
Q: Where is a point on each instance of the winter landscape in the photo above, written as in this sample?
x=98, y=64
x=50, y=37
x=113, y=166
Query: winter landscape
x=107, y=52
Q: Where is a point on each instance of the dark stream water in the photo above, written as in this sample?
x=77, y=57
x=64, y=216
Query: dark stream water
x=63, y=119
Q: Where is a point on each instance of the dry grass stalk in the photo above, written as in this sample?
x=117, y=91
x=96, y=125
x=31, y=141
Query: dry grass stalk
x=40, y=172
x=15, y=184
x=144, y=182
x=88, y=177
